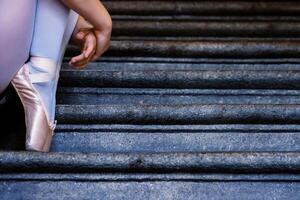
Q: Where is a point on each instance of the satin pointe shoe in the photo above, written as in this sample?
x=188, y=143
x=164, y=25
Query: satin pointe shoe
x=39, y=127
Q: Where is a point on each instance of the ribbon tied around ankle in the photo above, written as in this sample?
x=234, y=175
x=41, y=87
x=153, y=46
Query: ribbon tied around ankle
x=47, y=66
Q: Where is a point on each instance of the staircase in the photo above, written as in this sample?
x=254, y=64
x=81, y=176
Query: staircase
x=194, y=100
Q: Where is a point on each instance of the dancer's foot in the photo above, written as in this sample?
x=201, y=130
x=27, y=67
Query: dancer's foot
x=35, y=76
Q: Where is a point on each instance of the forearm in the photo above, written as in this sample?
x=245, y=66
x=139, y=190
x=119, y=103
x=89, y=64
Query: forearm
x=93, y=11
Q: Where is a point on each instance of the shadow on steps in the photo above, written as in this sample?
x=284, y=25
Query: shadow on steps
x=12, y=124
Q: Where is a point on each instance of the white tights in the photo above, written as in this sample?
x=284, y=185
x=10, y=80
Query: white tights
x=53, y=26
x=38, y=30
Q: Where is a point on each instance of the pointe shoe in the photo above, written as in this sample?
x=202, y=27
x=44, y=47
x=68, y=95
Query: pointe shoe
x=39, y=129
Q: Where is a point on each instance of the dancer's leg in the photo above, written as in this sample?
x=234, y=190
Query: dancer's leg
x=48, y=42
x=50, y=24
x=17, y=20
x=36, y=81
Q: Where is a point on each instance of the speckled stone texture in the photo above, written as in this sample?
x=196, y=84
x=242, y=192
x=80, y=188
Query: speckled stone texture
x=193, y=100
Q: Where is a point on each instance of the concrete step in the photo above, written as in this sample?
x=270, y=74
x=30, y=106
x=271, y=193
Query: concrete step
x=176, y=138
x=150, y=96
x=190, y=74
x=221, y=162
x=223, y=48
x=29, y=175
x=111, y=187
x=204, y=28
x=175, y=8
x=179, y=114
x=161, y=106
x=194, y=100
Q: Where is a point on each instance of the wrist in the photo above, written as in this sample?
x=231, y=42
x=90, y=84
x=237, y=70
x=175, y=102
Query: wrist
x=105, y=25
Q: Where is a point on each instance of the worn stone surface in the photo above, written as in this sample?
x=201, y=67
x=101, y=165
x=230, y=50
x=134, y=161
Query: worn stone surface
x=149, y=190
x=170, y=141
x=227, y=8
x=207, y=48
x=194, y=100
x=189, y=75
x=230, y=162
x=178, y=114
x=150, y=96
x=155, y=177
x=202, y=28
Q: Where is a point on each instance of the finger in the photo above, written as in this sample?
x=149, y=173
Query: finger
x=99, y=49
x=89, y=59
x=76, y=59
x=80, y=57
x=80, y=62
x=86, y=50
x=90, y=46
x=80, y=65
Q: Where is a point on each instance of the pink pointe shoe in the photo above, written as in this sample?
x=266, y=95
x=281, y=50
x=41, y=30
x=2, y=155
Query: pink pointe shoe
x=39, y=130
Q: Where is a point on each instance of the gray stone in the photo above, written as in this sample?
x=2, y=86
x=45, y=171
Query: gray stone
x=179, y=114
x=205, y=8
x=194, y=100
x=171, y=190
x=220, y=162
x=208, y=48
x=177, y=75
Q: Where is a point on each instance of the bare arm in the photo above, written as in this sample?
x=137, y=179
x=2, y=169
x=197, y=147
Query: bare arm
x=96, y=14
x=93, y=11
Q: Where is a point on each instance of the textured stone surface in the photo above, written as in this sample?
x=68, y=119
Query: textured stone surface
x=149, y=190
x=230, y=162
x=194, y=100
x=150, y=96
x=185, y=75
x=208, y=48
x=203, y=28
x=227, y=8
x=155, y=177
x=174, y=141
x=179, y=114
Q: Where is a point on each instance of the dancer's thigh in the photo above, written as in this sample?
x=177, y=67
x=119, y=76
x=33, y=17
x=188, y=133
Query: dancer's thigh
x=17, y=22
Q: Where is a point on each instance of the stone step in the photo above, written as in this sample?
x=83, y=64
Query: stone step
x=253, y=175
x=194, y=100
x=160, y=106
x=179, y=114
x=174, y=74
x=224, y=48
x=175, y=8
x=148, y=97
x=204, y=28
x=176, y=138
x=110, y=187
x=219, y=162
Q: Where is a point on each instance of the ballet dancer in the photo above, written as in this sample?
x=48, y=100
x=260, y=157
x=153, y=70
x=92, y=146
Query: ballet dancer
x=42, y=34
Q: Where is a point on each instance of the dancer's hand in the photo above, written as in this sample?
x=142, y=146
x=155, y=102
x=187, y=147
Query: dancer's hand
x=92, y=45
x=86, y=40
x=95, y=12
x=103, y=40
